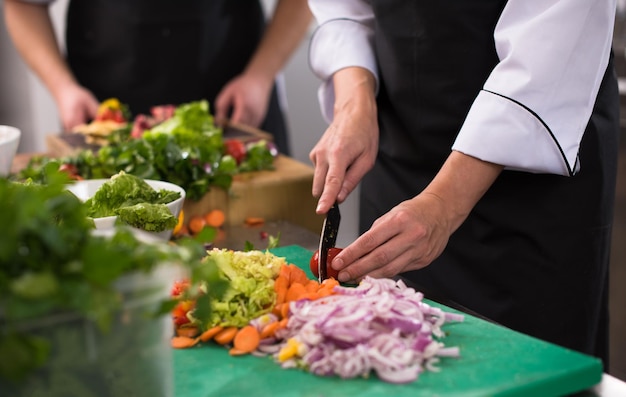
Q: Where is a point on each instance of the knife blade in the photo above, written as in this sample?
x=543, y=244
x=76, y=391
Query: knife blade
x=328, y=238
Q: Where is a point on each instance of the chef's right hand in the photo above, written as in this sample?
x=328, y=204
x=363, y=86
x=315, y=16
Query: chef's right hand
x=347, y=150
x=77, y=106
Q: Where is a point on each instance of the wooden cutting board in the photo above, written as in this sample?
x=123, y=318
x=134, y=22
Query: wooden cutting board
x=495, y=361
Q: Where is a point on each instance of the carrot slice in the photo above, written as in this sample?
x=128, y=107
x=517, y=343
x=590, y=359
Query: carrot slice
x=284, y=310
x=215, y=218
x=196, y=224
x=236, y=352
x=297, y=275
x=295, y=291
x=210, y=333
x=269, y=330
x=312, y=286
x=247, y=339
x=190, y=332
x=285, y=272
x=282, y=323
x=226, y=335
x=310, y=296
x=183, y=342
x=254, y=221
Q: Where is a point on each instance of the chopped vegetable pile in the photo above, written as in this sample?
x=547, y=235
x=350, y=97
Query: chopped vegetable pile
x=381, y=326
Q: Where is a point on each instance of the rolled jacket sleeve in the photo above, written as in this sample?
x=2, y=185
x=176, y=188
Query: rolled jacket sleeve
x=343, y=38
x=535, y=105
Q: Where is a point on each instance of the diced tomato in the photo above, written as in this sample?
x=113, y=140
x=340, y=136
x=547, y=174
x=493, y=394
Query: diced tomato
x=235, y=148
x=180, y=320
x=162, y=112
x=111, y=114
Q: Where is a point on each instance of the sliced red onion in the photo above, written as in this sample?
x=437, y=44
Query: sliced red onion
x=381, y=326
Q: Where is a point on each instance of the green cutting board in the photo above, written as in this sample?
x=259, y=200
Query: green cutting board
x=495, y=361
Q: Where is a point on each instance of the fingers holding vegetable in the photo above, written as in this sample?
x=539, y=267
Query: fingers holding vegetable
x=409, y=237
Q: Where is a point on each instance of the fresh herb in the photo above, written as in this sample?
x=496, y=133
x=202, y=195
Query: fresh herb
x=51, y=263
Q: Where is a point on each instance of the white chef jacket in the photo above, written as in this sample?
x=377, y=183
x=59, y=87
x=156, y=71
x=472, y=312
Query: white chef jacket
x=535, y=105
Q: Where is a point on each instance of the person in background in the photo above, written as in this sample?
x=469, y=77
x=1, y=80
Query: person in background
x=156, y=52
x=484, y=136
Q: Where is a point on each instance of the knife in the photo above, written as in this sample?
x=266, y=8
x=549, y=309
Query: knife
x=328, y=239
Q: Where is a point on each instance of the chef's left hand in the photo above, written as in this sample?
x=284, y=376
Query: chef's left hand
x=245, y=98
x=416, y=231
x=409, y=237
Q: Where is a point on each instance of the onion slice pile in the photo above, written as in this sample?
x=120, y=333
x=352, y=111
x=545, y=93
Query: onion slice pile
x=381, y=325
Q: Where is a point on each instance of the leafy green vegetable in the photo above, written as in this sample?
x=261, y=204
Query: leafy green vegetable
x=187, y=150
x=51, y=263
x=250, y=292
x=149, y=217
x=122, y=190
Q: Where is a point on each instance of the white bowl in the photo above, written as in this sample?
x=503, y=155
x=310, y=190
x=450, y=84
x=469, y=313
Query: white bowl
x=9, y=141
x=87, y=188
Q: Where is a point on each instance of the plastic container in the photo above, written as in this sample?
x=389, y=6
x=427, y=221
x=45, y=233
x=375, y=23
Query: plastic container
x=133, y=359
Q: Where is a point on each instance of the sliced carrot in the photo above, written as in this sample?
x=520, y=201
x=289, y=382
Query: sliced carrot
x=312, y=286
x=183, y=342
x=282, y=323
x=297, y=275
x=247, y=339
x=190, y=332
x=254, y=221
x=196, y=224
x=285, y=272
x=226, y=335
x=310, y=296
x=215, y=218
x=284, y=310
x=236, y=352
x=269, y=330
x=294, y=292
x=322, y=292
x=281, y=282
x=210, y=333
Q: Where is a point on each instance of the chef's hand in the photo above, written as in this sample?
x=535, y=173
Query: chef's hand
x=347, y=150
x=416, y=231
x=409, y=237
x=77, y=106
x=245, y=98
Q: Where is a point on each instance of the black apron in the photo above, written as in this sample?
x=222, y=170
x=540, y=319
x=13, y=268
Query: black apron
x=154, y=52
x=534, y=253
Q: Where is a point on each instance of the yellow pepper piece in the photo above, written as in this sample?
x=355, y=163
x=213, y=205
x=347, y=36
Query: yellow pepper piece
x=288, y=351
x=111, y=103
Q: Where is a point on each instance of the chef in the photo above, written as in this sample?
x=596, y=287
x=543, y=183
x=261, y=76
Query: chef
x=484, y=136
x=148, y=52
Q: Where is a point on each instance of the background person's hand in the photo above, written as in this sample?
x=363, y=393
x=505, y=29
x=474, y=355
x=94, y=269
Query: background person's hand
x=245, y=98
x=77, y=106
